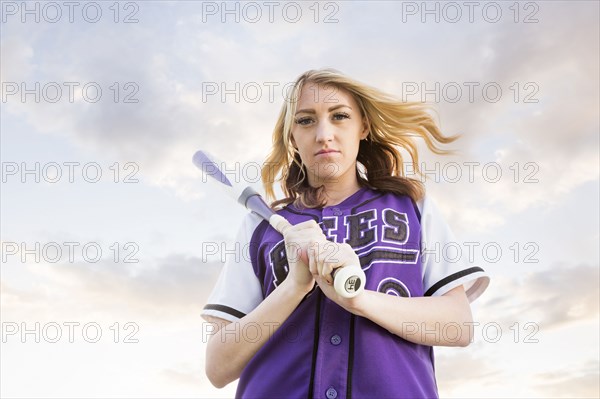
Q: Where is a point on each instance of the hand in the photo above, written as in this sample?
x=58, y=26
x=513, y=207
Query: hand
x=326, y=256
x=297, y=240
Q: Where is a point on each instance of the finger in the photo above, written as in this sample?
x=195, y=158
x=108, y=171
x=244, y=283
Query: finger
x=308, y=224
x=321, y=259
x=303, y=235
x=326, y=273
x=331, y=254
x=305, y=229
x=292, y=232
x=312, y=264
x=280, y=224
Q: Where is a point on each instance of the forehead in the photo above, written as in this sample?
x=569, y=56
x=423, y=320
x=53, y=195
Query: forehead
x=317, y=95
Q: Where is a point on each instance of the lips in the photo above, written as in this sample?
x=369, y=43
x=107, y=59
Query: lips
x=327, y=151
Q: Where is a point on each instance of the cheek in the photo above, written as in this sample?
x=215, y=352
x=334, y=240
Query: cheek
x=302, y=149
x=354, y=146
x=296, y=137
x=301, y=143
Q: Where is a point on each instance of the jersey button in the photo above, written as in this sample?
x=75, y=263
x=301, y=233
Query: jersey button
x=331, y=393
x=335, y=339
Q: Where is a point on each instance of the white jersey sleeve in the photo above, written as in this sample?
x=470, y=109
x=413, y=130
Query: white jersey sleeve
x=443, y=267
x=238, y=290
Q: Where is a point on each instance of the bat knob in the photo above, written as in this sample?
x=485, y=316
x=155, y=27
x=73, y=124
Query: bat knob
x=349, y=281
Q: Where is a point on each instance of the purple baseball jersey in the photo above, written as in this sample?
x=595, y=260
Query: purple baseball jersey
x=321, y=350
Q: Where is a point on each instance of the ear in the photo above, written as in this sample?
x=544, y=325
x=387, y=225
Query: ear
x=365, y=132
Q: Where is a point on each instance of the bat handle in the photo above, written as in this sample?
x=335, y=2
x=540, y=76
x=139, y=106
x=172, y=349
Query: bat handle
x=348, y=281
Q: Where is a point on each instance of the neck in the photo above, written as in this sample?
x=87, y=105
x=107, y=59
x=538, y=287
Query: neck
x=335, y=195
x=338, y=189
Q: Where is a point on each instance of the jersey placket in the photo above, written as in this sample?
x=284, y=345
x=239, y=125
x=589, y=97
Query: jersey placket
x=331, y=367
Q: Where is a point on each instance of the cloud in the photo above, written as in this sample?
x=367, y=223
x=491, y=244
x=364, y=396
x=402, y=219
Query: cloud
x=190, y=379
x=184, y=374
x=175, y=286
x=578, y=382
x=456, y=367
x=551, y=143
x=553, y=298
x=16, y=58
x=172, y=118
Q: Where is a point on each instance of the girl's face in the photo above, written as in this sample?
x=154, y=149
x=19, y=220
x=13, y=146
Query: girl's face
x=327, y=131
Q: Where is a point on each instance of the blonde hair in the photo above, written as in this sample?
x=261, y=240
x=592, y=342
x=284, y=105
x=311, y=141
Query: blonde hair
x=392, y=124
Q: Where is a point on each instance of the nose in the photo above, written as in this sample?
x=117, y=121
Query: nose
x=324, y=132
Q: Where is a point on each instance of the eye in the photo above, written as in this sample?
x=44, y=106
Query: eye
x=338, y=116
x=303, y=121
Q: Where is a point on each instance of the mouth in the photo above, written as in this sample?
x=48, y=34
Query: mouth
x=328, y=151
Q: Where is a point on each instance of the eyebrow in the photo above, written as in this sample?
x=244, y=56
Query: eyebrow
x=312, y=111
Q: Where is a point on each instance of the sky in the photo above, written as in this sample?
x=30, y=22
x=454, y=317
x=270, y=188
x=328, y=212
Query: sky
x=111, y=240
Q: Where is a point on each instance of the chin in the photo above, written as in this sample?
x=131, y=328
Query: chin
x=325, y=171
